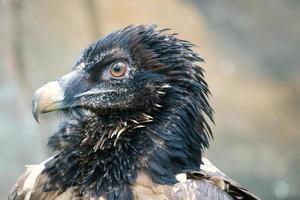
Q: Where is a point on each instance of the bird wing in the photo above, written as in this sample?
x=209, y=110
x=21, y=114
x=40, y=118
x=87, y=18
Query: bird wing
x=209, y=173
x=30, y=186
x=208, y=183
x=185, y=189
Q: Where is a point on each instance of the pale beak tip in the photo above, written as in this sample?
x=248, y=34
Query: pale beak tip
x=35, y=111
x=46, y=99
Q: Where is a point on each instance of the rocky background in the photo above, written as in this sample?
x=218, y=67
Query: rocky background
x=252, y=53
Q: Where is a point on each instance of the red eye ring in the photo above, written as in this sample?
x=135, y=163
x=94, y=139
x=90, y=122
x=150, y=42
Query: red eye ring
x=118, y=69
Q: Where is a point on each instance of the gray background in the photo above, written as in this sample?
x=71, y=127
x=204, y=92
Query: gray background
x=252, y=58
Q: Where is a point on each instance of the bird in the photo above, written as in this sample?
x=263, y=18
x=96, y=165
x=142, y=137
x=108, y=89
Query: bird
x=135, y=123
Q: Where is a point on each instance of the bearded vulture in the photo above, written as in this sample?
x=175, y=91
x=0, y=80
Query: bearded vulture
x=135, y=115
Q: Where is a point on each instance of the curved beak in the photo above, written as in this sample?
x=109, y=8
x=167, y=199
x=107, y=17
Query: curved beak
x=47, y=98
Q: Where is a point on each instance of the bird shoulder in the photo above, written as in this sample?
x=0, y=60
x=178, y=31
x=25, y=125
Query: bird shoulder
x=30, y=186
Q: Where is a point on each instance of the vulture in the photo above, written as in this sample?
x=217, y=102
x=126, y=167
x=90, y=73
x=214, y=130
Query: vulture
x=135, y=122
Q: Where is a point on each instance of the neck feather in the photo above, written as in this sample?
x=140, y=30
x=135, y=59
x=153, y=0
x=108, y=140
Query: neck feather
x=102, y=156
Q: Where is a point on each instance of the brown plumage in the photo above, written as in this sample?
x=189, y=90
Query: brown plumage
x=208, y=183
x=135, y=107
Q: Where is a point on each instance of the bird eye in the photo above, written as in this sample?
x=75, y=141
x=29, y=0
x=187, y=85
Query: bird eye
x=118, y=69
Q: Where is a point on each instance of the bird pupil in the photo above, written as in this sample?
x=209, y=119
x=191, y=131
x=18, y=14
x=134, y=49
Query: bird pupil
x=117, y=68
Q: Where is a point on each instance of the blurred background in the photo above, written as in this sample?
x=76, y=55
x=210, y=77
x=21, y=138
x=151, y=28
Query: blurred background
x=252, y=53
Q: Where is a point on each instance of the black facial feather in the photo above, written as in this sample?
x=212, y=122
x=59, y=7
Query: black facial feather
x=153, y=121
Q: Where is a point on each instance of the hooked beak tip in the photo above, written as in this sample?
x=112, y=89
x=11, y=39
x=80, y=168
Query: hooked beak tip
x=35, y=112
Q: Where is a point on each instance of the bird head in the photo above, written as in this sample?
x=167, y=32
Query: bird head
x=132, y=70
